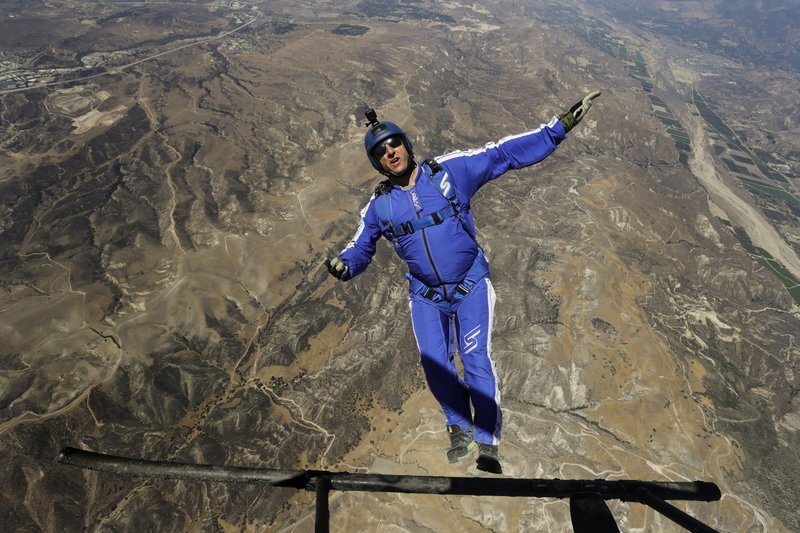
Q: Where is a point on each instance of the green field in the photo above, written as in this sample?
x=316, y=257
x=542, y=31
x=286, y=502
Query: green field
x=772, y=191
x=791, y=283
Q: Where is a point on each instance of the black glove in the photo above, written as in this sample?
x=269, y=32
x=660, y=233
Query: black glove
x=337, y=268
x=575, y=114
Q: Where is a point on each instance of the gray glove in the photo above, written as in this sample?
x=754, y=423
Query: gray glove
x=337, y=268
x=575, y=114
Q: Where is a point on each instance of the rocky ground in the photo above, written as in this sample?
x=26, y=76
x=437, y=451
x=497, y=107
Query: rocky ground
x=163, y=230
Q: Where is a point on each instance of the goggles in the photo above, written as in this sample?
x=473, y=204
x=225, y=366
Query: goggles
x=395, y=141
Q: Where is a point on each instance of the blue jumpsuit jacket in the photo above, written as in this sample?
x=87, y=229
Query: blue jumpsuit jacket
x=440, y=256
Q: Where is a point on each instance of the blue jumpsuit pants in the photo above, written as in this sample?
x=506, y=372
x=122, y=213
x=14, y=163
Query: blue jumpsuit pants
x=441, y=326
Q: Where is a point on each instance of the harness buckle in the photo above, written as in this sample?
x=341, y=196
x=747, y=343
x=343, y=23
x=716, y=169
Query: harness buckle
x=462, y=289
x=408, y=228
x=430, y=294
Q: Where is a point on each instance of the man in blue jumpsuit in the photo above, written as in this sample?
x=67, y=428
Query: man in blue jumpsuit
x=424, y=210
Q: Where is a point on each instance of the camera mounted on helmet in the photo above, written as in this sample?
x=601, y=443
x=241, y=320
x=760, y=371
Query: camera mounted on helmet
x=372, y=117
x=377, y=133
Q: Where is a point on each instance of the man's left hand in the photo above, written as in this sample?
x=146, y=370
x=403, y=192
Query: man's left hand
x=576, y=113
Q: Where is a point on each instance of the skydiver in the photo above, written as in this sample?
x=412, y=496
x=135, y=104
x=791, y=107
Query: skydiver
x=424, y=210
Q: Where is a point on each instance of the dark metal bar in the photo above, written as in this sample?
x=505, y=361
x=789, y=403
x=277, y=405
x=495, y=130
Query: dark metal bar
x=550, y=488
x=323, y=515
x=624, y=490
x=590, y=514
x=163, y=469
x=684, y=520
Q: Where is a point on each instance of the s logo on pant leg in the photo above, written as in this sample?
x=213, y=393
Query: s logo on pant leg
x=471, y=339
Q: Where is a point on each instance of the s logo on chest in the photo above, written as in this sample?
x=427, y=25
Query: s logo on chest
x=444, y=185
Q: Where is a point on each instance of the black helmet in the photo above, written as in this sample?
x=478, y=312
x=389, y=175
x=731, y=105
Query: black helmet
x=379, y=132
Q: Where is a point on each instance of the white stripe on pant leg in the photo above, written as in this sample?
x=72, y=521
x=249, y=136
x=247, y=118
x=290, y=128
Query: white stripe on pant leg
x=411, y=312
x=491, y=299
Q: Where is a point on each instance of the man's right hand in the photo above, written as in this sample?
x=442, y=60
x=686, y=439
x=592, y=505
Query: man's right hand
x=337, y=268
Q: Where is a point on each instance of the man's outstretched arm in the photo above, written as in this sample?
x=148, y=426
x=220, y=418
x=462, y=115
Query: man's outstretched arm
x=358, y=253
x=473, y=168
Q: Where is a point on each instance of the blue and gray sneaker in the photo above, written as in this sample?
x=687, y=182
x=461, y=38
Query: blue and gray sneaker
x=489, y=458
x=461, y=444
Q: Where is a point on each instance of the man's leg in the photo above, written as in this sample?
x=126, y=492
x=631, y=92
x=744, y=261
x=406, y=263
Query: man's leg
x=432, y=329
x=474, y=329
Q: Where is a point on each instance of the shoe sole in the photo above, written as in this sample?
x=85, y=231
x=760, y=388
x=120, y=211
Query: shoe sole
x=489, y=464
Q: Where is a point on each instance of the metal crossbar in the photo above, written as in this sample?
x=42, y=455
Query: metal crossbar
x=587, y=497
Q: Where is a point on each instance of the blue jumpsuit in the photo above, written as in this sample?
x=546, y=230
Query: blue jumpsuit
x=451, y=295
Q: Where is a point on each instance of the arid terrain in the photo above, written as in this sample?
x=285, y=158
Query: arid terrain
x=175, y=174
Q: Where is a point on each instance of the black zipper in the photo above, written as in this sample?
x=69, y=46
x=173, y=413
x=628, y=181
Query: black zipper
x=433, y=265
x=428, y=251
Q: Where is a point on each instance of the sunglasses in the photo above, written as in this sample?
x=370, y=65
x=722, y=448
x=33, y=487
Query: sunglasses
x=395, y=141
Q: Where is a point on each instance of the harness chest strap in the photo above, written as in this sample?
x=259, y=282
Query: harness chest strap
x=410, y=226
